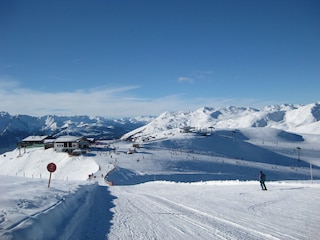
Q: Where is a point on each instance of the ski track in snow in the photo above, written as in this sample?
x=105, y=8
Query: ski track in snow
x=148, y=214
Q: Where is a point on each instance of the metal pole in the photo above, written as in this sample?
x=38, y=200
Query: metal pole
x=311, y=172
x=298, y=148
x=49, y=180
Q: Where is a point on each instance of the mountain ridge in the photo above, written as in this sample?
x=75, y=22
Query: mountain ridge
x=288, y=117
x=13, y=128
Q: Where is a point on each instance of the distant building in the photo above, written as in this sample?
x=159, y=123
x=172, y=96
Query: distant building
x=34, y=141
x=70, y=144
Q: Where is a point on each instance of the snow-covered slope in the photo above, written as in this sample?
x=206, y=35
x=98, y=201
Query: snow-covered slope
x=184, y=186
x=174, y=186
x=32, y=163
x=292, y=118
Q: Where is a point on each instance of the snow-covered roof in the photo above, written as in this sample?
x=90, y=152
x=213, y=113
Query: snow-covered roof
x=51, y=140
x=68, y=139
x=34, y=138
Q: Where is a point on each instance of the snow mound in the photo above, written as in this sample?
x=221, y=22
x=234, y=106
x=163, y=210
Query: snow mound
x=32, y=163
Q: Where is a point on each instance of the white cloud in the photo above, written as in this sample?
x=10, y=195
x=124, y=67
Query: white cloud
x=108, y=102
x=185, y=79
x=195, y=76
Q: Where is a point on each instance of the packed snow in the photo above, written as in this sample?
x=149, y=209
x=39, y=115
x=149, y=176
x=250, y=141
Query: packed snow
x=173, y=185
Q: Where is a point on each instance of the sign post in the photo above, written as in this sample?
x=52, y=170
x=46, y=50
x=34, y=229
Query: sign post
x=51, y=167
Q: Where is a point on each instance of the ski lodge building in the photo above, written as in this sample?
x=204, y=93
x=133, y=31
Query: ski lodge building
x=34, y=141
x=70, y=143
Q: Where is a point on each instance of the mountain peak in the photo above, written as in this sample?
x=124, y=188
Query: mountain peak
x=288, y=117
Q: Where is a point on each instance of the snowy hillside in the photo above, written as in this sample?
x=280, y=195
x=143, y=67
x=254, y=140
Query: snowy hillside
x=181, y=186
x=291, y=118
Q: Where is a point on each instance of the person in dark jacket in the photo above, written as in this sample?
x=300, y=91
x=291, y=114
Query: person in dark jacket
x=262, y=179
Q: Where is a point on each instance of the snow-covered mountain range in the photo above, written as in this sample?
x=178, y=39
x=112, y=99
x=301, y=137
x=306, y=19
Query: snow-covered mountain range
x=290, y=118
x=14, y=128
x=287, y=117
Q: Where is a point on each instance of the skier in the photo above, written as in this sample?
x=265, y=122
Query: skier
x=262, y=179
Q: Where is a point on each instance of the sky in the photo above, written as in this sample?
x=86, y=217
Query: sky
x=130, y=58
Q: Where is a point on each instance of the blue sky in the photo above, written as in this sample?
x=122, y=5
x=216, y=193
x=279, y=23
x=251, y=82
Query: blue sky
x=128, y=58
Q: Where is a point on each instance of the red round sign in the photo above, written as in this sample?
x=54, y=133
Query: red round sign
x=51, y=167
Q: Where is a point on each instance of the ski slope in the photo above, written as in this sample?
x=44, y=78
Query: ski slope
x=216, y=210
x=166, y=210
x=176, y=186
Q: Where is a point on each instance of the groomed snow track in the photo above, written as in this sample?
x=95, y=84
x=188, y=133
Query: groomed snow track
x=83, y=215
